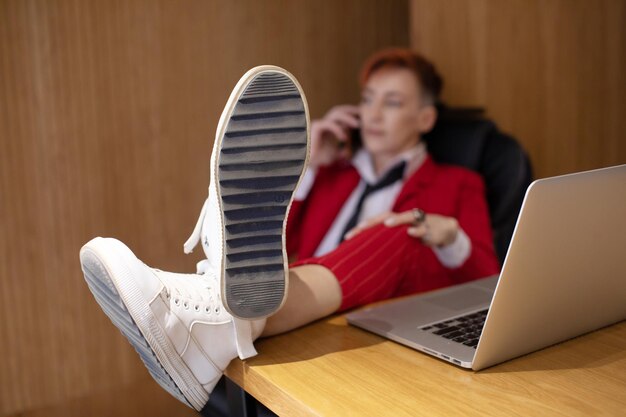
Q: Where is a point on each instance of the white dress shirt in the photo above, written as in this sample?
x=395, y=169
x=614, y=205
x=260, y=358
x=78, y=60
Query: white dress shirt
x=380, y=201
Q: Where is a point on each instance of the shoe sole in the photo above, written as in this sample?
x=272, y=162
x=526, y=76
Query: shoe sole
x=260, y=155
x=101, y=279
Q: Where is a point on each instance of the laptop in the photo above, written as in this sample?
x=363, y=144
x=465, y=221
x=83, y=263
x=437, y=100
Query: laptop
x=564, y=275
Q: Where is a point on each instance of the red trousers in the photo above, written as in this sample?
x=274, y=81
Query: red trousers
x=379, y=263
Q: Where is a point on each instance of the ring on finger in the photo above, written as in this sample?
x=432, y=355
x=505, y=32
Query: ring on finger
x=418, y=216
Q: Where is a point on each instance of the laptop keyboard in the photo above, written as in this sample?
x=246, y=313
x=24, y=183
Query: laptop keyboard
x=465, y=329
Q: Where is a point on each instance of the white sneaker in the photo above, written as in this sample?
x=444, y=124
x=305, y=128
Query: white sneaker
x=259, y=155
x=174, y=321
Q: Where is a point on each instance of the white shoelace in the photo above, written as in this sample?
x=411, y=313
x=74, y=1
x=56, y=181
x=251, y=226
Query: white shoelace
x=193, y=240
x=190, y=293
x=243, y=328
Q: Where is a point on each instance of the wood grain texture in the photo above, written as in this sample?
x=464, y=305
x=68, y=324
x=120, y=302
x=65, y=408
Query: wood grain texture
x=552, y=73
x=141, y=397
x=332, y=369
x=107, y=114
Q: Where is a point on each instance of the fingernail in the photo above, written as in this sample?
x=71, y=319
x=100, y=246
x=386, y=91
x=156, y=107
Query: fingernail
x=390, y=221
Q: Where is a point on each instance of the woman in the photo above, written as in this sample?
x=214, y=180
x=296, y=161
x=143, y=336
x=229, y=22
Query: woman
x=442, y=231
x=367, y=224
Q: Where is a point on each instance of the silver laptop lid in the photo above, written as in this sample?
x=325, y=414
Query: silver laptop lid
x=565, y=271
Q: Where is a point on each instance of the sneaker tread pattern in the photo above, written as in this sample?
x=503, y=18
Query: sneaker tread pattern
x=262, y=157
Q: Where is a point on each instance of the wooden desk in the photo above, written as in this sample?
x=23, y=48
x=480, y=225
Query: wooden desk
x=332, y=369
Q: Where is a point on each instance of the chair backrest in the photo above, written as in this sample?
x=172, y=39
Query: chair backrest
x=463, y=137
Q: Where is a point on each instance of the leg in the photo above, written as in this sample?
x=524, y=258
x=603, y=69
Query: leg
x=177, y=323
x=364, y=269
x=313, y=293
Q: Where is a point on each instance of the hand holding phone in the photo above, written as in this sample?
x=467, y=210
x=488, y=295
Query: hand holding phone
x=331, y=136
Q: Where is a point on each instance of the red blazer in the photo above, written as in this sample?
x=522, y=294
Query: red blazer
x=442, y=189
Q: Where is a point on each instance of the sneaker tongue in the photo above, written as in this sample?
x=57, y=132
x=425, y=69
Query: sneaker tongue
x=205, y=268
x=185, y=286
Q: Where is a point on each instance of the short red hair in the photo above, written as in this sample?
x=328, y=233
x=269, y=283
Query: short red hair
x=426, y=73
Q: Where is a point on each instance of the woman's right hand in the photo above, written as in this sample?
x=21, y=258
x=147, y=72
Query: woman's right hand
x=330, y=136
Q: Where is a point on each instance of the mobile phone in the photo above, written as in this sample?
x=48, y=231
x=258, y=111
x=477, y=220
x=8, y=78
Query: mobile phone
x=355, y=140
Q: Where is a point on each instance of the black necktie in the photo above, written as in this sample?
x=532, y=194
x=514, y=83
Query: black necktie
x=392, y=176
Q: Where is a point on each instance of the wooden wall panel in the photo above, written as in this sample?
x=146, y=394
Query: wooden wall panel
x=107, y=116
x=553, y=72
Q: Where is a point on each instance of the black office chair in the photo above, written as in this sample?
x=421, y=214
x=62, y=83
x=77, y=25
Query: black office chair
x=464, y=137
